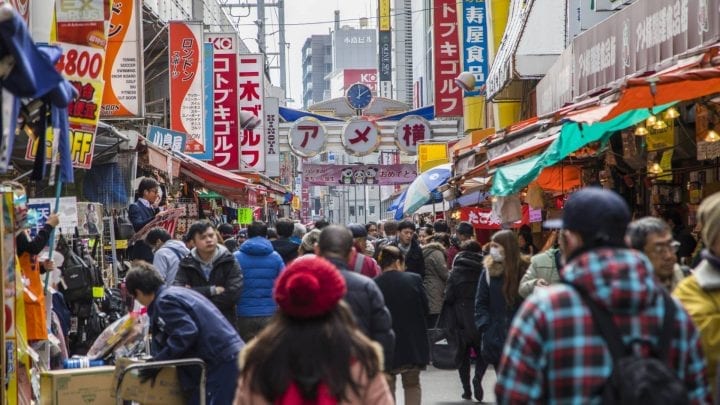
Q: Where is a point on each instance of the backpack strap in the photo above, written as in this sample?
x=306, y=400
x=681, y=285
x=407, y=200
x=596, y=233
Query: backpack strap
x=359, y=261
x=177, y=252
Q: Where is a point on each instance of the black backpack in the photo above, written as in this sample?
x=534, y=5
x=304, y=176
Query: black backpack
x=636, y=379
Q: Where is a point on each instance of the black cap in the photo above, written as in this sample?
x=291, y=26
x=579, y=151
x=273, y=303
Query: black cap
x=594, y=211
x=464, y=228
x=358, y=231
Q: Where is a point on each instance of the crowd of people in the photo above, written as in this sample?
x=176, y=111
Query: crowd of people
x=335, y=314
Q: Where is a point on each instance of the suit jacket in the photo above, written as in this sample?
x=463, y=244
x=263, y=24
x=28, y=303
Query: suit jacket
x=139, y=215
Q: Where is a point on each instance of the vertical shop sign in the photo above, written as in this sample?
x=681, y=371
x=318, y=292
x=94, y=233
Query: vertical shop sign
x=446, y=50
x=385, y=49
x=208, y=100
x=475, y=44
x=251, y=99
x=272, y=141
x=123, y=74
x=185, y=57
x=225, y=101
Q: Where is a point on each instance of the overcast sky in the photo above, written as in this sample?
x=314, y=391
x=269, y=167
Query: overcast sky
x=303, y=18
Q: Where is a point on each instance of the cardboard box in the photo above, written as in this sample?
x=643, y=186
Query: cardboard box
x=92, y=385
x=166, y=390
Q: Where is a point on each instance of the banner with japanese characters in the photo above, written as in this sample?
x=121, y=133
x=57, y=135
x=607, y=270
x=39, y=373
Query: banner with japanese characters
x=225, y=102
x=475, y=42
x=484, y=218
x=446, y=55
x=185, y=59
x=272, y=138
x=251, y=99
x=123, y=74
x=335, y=175
x=410, y=131
x=82, y=22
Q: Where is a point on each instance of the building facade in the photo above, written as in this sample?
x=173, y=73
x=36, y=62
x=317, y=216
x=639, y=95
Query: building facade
x=317, y=63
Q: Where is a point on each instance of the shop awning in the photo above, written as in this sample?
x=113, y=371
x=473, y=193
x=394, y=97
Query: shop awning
x=232, y=186
x=539, y=141
x=514, y=177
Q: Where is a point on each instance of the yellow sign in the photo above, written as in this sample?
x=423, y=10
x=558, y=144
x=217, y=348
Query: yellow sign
x=82, y=139
x=431, y=155
x=296, y=203
x=384, y=11
x=661, y=139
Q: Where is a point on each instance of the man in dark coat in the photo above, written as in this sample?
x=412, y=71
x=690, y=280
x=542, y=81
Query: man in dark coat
x=211, y=270
x=184, y=324
x=407, y=243
x=287, y=249
x=363, y=295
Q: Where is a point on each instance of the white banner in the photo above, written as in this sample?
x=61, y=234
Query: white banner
x=272, y=142
x=251, y=99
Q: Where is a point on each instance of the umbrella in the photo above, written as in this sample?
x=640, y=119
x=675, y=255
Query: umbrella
x=418, y=193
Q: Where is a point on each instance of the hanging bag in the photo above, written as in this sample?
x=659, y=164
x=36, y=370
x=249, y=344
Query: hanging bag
x=443, y=344
x=123, y=227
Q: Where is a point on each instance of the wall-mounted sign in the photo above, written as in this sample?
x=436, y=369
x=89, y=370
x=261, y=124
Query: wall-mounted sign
x=475, y=42
x=446, y=55
x=250, y=98
x=334, y=175
x=225, y=103
x=166, y=138
x=307, y=137
x=360, y=137
x=410, y=131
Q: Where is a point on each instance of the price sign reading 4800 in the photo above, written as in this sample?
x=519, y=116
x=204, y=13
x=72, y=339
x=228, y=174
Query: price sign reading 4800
x=80, y=62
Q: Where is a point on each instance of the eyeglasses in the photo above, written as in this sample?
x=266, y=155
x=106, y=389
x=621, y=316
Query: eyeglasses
x=670, y=246
x=372, y=230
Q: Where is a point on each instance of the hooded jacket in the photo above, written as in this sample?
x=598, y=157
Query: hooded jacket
x=167, y=259
x=225, y=273
x=436, y=275
x=554, y=354
x=460, y=298
x=260, y=266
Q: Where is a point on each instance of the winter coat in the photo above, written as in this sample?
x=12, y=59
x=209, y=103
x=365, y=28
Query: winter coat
x=554, y=354
x=225, y=273
x=368, y=305
x=286, y=248
x=542, y=266
x=408, y=305
x=140, y=215
x=436, y=275
x=414, y=260
x=35, y=311
x=369, y=266
x=375, y=391
x=167, y=259
x=460, y=298
x=260, y=266
x=699, y=293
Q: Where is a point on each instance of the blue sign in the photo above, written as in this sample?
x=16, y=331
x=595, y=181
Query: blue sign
x=43, y=212
x=167, y=138
x=475, y=42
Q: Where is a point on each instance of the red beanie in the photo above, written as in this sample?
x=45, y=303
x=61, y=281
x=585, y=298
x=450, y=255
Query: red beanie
x=309, y=287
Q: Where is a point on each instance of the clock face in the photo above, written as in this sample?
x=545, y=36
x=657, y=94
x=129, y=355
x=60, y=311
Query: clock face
x=358, y=96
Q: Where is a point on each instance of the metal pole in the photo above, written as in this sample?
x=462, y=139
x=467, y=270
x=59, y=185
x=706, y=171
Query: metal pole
x=356, y=206
x=261, y=26
x=283, y=46
x=365, y=196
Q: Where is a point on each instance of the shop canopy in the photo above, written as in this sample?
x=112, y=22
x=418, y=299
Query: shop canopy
x=232, y=186
x=510, y=179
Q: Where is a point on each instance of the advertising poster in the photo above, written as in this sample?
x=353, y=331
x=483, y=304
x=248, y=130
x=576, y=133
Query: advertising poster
x=68, y=213
x=123, y=73
x=225, y=101
x=82, y=22
x=185, y=57
x=251, y=98
x=446, y=46
x=90, y=218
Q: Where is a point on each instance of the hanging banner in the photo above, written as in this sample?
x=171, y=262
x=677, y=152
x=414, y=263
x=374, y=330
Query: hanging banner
x=272, y=144
x=483, y=218
x=185, y=58
x=165, y=219
x=23, y=8
x=251, y=98
x=82, y=22
x=208, y=81
x=123, y=74
x=383, y=175
x=167, y=139
x=446, y=52
x=225, y=103
x=475, y=42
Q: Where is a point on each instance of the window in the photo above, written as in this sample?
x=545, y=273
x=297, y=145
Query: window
x=371, y=210
x=351, y=210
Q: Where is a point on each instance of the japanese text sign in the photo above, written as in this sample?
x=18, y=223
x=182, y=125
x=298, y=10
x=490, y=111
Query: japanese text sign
x=208, y=102
x=334, y=175
x=484, y=218
x=251, y=99
x=360, y=137
x=167, y=139
x=124, y=95
x=245, y=216
x=475, y=42
x=446, y=52
x=272, y=141
x=411, y=130
x=185, y=56
x=67, y=213
x=225, y=101
x=307, y=137
x=83, y=22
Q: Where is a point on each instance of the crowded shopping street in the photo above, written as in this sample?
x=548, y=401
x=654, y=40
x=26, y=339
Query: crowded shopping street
x=368, y=202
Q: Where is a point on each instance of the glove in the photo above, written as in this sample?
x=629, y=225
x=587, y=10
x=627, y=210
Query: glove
x=149, y=374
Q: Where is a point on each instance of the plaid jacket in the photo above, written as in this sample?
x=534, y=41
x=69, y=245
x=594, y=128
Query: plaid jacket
x=554, y=354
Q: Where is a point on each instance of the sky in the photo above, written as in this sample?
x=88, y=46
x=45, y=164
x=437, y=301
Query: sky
x=303, y=18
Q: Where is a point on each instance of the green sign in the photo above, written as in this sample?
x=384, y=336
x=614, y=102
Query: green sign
x=245, y=216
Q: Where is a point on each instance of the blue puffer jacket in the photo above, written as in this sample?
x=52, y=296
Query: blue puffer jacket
x=260, y=265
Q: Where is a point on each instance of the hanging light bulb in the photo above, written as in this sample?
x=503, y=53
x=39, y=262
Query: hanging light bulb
x=640, y=130
x=659, y=125
x=712, y=136
x=671, y=113
x=655, y=168
x=651, y=120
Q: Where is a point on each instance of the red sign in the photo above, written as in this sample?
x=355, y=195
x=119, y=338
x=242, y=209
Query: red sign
x=364, y=76
x=225, y=101
x=483, y=218
x=446, y=52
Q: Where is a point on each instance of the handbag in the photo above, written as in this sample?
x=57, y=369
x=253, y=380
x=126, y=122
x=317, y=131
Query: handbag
x=124, y=229
x=443, y=346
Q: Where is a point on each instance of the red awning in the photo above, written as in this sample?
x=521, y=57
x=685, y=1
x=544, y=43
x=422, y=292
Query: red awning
x=230, y=185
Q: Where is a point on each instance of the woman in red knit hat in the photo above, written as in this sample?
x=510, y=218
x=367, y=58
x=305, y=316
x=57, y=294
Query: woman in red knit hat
x=312, y=352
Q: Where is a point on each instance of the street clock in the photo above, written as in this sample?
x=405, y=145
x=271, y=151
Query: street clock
x=358, y=96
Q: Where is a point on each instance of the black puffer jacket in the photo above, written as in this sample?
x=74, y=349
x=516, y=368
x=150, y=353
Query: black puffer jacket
x=368, y=305
x=460, y=298
x=414, y=259
x=225, y=273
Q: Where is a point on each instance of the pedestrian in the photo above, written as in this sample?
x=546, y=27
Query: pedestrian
x=312, y=352
x=407, y=242
x=184, y=324
x=407, y=302
x=299, y=230
x=681, y=234
x=436, y=274
x=460, y=301
x=497, y=296
x=309, y=241
x=554, y=352
x=363, y=295
x=441, y=226
x=260, y=265
x=544, y=270
x=142, y=212
x=272, y=234
x=389, y=234
x=359, y=262
x=287, y=249
x=653, y=237
x=167, y=253
x=424, y=234
x=320, y=224
x=211, y=270
x=372, y=231
x=463, y=231
x=699, y=293
x=525, y=241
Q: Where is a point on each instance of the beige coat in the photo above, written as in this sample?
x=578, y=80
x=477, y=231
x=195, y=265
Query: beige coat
x=375, y=392
x=436, y=275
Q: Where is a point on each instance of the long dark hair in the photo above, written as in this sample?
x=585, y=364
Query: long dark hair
x=507, y=239
x=389, y=255
x=309, y=352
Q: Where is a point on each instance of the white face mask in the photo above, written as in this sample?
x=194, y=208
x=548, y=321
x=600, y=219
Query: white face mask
x=496, y=254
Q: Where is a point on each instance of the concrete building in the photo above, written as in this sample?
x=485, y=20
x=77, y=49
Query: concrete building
x=317, y=63
x=402, y=72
